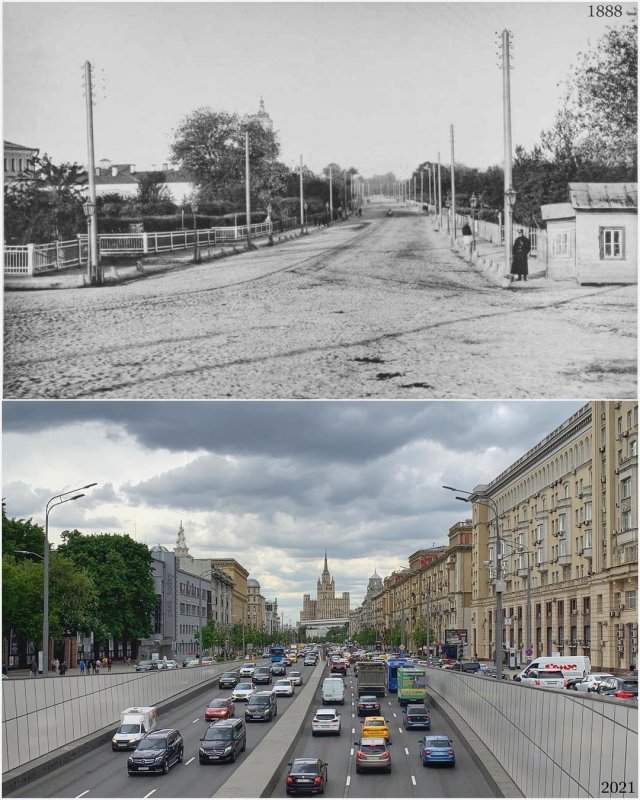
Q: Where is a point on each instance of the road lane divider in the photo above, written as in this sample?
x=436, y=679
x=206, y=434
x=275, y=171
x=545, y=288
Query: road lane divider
x=82, y=794
x=186, y=763
x=153, y=791
x=413, y=780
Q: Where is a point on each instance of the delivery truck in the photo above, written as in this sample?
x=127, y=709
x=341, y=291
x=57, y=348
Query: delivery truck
x=372, y=678
x=135, y=723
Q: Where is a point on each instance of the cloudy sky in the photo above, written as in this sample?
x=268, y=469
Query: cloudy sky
x=373, y=85
x=269, y=483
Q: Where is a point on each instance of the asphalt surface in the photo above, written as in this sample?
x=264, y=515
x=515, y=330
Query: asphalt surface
x=408, y=778
x=103, y=773
x=372, y=307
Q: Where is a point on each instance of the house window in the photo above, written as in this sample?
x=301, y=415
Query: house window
x=633, y=448
x=587, y=512
x=626, y=520
x=630, y=599
x=562, y=524
x=626, y=488
x=611, y=243
x=561, y=244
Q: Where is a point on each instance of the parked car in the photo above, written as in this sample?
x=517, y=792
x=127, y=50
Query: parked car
x=306, y=775
x=262, y=675
x=171, y=664
x=283, y=686
x=466, y=666
x=220, y=708
x=417, y=717
x=228, y=680
x=207, y=661
x=326, y=720
x=247, y=670
x=157, y=752
x=545, y=678
x=223, y=741
x=368, y=705
x=437, y=750
x=146, y=665
x=376, y=727
x=193, y=662
x=243, y=691
x=592, y=681
x=624, y=687
x=295, y=676
x=372, y=754
x=261, y=706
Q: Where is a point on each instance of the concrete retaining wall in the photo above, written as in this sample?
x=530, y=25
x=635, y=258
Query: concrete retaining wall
x=551, y=743
x=40, y=715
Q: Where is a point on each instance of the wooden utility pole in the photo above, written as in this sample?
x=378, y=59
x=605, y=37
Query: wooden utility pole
x=93, y=259
x=439, y=193
x=247, y=189
x=301, y=199
x=453, y=192
x=330, y=195
x=509, y=195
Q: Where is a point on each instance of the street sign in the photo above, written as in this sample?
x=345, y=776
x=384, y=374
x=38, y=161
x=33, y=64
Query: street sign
x=453, y=635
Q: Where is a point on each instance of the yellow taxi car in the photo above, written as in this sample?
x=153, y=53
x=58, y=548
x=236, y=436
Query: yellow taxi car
x=376, y=727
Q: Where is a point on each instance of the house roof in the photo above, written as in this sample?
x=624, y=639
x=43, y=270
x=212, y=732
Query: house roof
x=126, y=176
x=603, y=195
x=557, y=211
x=14, y=146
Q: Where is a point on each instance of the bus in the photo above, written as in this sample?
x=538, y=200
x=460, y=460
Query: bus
x=277, y=653
x=412, y=685
x=392, y=671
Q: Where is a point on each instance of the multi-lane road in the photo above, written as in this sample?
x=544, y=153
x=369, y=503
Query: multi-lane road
x=103, y=773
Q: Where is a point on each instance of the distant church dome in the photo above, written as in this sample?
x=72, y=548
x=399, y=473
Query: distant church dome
x=261, y=117
x=253, y=583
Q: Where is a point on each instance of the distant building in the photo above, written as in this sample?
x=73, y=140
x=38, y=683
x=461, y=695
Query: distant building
x=256, y=611
x=238, y=575
x=272, y=618
x=261, y=117
x=18, y=158
x=124, y=179
x=327, y=605
x=594, y=237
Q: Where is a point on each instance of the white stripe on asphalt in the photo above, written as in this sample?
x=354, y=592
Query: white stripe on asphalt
x=348, y=780
x=353, y=730
x=150, y=793
x=193, y=758
x=86, y=791
x=413, y=780
x=400, y=729
x=406, y=750
x=351, y=753
x=195, y=720
x=389, y=702
x=394, y=714
x=353, y=715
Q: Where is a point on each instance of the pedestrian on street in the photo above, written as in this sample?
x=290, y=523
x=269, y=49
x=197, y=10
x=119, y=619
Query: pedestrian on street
x=105, y=662
x=521, y=248
x=63, y=667
x=82, y=666
x=109, y=663
x=34, y=667
x=467, y=238
x=96, y=666
x=56, y=664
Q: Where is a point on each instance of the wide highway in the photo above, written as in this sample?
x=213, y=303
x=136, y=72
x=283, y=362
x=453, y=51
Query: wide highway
x=408, y=778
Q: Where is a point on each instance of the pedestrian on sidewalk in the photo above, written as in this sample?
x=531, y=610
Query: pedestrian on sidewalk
x=109, y=663
x=82, y=666
x=63, y=667
x=521, y=248
x=467, y=238
x=96, y=666
x=56, y=664
x=34, y=667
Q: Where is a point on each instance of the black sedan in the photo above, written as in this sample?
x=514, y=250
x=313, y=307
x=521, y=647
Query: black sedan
x=228, y=680
x=146, y=666
x=368, y=706
x=307, y=776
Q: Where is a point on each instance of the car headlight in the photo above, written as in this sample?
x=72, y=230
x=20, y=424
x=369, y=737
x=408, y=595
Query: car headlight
x=227, y=750
x=114, y=740
x=160, y=758
x=130, y=760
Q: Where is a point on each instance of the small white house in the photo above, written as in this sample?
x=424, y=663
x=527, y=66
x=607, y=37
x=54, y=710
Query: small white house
x=123, y=179
x=594, y=237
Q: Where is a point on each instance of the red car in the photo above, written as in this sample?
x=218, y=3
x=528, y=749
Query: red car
x=220, y=708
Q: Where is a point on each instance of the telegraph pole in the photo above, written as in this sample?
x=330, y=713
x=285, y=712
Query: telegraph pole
x=453, y=192
x=439, y=193
x=422, y=187
x=247, y=192
x=509, y=194
x=330, y=195
x=92, y=216
x=301, y=199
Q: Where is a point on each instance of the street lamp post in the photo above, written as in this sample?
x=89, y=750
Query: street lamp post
x=330, y=195
x=247, y=188
x=270, y=223
x=509, y=203
x=473, y=202
x=56, y=500
x=301, y=199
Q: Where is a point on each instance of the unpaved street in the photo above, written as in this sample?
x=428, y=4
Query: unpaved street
x=378, y=307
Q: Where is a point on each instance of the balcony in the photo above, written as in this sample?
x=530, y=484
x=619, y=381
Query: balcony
x=587, y=552
x=564, y=559
x=627, y=537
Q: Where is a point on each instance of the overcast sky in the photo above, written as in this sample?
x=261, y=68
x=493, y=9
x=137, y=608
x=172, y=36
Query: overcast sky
x=370, y=85
x=268, y=483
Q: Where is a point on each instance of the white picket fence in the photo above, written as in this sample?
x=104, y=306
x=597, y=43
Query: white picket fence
x=33, y=259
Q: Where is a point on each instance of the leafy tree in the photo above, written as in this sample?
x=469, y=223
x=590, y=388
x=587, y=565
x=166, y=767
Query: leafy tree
x=366, y=637
x=152, y=188
x=20, y=534
x=121, y=571
x=421, y=636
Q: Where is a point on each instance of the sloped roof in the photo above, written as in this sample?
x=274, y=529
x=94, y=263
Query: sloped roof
x=126, y=176
x=557, y=211
x=603, y=195
x=15, y=146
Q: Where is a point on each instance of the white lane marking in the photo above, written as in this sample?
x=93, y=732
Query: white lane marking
x=353, y=715
x=353, y=730
x=413, y=780
x=348, y=780
x=86, y=791
x=400, y=729
x=150, y=793
x=193, y=758
x=195, y=720
x=389, y=702
x=406, y=750
x=394, y=714
x=351, y=753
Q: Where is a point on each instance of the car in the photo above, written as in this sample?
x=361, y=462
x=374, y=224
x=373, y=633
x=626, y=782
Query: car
x=368, y=705
x=326, y=720
x=146, y=665
x=228, y=680
x=283, y=686
x=437, y=750
x=219, y=708
x=243, y=691
x=295, y=676
x=309, y=661
x=157, y=752
x=247, y=670
x=207, y=661
x=171, y=664
x=372, y=753
x=339, y=665
x=545, y=679
x=262, y=675
x=278, y=668
x=193, y=662
x=306, y=775
x=624, y=687
x=573, y=682
x=466, y=666
x=261, y=706
x=223, y=741
x=417, y=717
x=592, y=681
x=376, y=727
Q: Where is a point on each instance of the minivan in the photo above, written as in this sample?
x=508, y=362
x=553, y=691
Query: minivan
x=222, y=741
x=332, y=691
x=570, y=666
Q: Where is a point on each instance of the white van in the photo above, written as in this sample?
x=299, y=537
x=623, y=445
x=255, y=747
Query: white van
x=333, y=691
x=570, y=666
x=135, y=723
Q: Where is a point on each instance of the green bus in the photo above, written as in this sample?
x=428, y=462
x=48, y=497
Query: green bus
x=412, y=685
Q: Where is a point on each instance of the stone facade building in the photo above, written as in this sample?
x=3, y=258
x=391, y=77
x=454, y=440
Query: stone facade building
x=568, y=517
x=238, y=575
x=256, y=610
x=326, y=605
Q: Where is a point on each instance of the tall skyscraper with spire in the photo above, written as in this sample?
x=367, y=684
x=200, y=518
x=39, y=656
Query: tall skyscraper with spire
x=326, y=605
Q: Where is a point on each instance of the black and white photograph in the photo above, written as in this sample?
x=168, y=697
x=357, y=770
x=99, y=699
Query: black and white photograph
x=320, y=200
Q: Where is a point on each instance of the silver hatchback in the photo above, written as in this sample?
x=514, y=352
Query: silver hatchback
x=373, y=753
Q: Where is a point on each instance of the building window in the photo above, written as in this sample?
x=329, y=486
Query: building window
x=626, y=520
x=587, y=540
x=633, y=447
x=588, y=511
x=182, y=608
x=566, y=490
x=626, y=488
x=561, y=244
x=562, y=524
x=630, y=599
x=611, y=243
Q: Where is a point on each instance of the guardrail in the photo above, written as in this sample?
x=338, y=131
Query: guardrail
x=552, y=743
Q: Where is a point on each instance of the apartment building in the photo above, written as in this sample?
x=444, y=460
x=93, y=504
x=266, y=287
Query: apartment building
x=256, y=610
x=238, y=575
x=568, y=546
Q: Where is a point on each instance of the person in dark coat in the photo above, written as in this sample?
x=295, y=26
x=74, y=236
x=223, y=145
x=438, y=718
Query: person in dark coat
x=521, y=248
